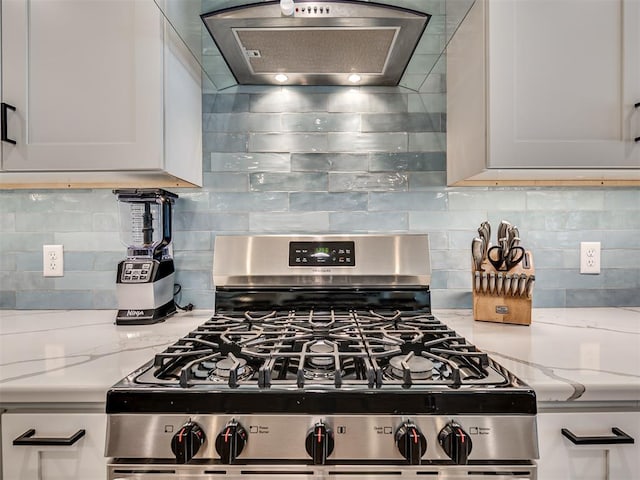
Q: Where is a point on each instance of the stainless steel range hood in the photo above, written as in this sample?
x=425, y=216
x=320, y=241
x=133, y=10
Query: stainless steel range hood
x=321, y=43
x=442, y=19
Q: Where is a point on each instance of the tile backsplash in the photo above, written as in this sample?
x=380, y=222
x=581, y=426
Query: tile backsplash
x=318, y=160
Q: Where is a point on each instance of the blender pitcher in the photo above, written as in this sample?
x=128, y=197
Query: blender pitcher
x=145, y=281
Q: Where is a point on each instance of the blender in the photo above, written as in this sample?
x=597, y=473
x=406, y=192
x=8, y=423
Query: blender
x=145, y=282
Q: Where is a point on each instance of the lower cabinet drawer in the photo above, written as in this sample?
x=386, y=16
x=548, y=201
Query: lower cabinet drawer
x=53, y=446
x=589, y=445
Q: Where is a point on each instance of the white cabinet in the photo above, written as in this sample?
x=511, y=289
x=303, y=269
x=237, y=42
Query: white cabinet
x=561, y=459
x=105, y=94
x=545, y=90
x=83, y=459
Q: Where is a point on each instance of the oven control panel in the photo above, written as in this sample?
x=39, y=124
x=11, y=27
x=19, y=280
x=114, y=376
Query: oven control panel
x=322, y=254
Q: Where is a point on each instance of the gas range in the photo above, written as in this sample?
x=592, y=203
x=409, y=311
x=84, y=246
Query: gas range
x=322, y=354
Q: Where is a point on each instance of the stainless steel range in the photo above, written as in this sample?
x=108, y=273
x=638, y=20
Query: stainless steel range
x=322, y=360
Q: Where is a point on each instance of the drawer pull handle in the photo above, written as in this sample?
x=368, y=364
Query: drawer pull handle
x=27, y=438
x=637, y=107
x=4, y=129
x=618, y=437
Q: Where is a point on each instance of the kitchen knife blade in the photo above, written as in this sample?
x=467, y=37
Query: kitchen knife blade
x=477, y=252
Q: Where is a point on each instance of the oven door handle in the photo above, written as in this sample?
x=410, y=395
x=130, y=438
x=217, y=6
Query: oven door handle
x=618, y=437
x=27, y=438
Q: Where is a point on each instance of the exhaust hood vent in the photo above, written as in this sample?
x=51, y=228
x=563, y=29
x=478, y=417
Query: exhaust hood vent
x=322, y=43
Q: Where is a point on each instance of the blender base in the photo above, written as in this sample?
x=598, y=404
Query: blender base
x=146, y=317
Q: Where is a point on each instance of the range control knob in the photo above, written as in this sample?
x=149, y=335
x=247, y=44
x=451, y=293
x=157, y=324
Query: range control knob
x=319, y=443
x=455, y=442
x=186, y=443
x=411, y=443
x=231, y=441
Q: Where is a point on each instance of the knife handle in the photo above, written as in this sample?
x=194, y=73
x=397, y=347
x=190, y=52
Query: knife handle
x=522, y=284
x=514, y=285
x=530, y=282
x=507, y=284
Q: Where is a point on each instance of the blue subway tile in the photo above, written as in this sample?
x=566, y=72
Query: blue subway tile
x=225, y=142
x=368, y=142
x=288, y=142
x=53, y=300
x=408, y=201
x=372, y=182
x=321, y=122
x=288, y=182
x=249, y=202
x=369, y=222
x=329, y=162
x=7, y=300
x=322, y=201
x=226, y=182
x=408, y=161
x=250, y=162
x=401, y=122
x=296, y=222
x=427, y=180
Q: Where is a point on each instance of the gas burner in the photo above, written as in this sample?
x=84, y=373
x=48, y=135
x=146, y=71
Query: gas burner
x=219, y=370
x=322, y=346
x=320, y=375
x=316, y=365
x=420, y=368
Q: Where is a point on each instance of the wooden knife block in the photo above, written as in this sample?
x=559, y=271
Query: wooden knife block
x=502, y=308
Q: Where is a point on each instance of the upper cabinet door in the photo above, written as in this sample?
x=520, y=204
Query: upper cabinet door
x=563, y=78
x=85, y=77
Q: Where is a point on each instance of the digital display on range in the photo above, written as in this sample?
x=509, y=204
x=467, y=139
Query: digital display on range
x=326, y=254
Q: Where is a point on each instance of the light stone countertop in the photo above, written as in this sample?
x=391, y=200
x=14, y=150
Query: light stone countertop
x=567, y=355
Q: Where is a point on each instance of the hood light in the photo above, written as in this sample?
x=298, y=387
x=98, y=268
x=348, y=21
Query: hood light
x=281, y=77
x=355, y=78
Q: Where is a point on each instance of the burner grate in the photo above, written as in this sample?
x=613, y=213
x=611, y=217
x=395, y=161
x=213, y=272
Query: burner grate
x=323, y=349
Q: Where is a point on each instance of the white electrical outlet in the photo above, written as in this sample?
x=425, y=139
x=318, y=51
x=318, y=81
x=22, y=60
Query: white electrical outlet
x=52, y=261
x=590, y=257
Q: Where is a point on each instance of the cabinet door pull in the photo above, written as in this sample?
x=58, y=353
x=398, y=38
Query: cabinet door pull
x=3, y=113
x=27, y=438
x=637, y=106
x=618, y=437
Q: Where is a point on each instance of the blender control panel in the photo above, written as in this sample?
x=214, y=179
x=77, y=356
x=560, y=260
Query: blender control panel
x=136, y=272
x=326, y=254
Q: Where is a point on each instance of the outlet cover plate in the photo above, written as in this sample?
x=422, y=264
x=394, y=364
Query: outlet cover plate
x=52, y=261
x=590, y=258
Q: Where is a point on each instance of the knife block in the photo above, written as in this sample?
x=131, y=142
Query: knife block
x=502, y=307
